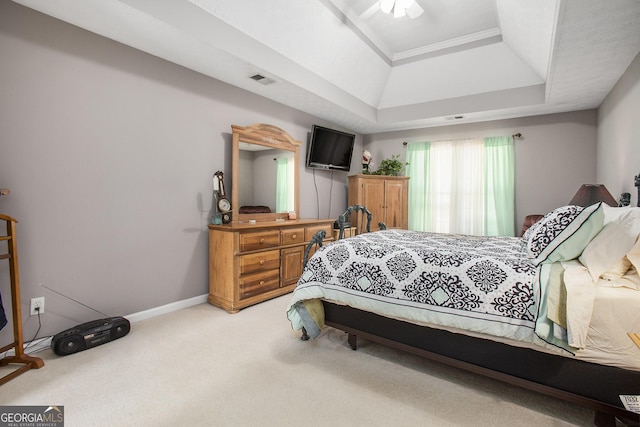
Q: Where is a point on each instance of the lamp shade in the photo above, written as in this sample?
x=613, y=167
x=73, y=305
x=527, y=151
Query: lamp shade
x=590, y=194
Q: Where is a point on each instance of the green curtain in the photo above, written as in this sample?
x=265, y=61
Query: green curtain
x=419, y=203
x=499, y=186
x=282, y=185
x=464, y=186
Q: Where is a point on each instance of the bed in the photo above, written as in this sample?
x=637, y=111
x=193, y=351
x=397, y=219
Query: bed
x=554, y=311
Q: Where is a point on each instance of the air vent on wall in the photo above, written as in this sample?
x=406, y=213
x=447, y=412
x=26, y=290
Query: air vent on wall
x=262, y=79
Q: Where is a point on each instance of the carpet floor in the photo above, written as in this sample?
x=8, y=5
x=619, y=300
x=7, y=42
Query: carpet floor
x=201, y=366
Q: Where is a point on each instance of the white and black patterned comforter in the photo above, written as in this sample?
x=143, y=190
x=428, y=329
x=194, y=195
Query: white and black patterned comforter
x=481, y=284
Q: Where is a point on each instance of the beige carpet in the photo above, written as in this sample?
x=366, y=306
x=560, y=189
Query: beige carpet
x=201, y=366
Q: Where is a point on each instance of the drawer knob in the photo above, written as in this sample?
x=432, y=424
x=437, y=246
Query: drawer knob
x=261, y=282
x=261, y=240
x=261, y=262
x=294, y=236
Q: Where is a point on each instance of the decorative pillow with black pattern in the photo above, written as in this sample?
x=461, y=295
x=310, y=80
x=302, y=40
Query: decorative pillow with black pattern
x=564, y=233
x=529, y=232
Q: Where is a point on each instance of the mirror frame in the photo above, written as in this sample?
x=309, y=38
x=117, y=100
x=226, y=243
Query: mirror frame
x=267, y=136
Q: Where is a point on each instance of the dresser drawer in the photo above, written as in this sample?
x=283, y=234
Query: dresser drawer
x=291, y=236
x=253, y=262
x=258, y=283
x=259, y=261
x=310, y=231
x=259, y=240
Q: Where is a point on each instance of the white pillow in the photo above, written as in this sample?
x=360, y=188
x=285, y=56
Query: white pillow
x=613, y=213
x=612, y=243
x=617, y=269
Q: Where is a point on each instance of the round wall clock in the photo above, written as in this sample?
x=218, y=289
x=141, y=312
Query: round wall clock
x=224, y=205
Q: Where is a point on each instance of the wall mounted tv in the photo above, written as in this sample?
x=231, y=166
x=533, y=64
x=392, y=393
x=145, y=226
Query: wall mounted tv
x=330, y=149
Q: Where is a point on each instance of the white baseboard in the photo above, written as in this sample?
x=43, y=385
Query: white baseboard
x=167, y=308
x=42, y=343
x=34, y=346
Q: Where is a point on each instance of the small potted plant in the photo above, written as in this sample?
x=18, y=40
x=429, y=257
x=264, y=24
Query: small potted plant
x=391, y=167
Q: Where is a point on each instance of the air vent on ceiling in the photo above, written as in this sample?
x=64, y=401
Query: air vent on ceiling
x=262, y=79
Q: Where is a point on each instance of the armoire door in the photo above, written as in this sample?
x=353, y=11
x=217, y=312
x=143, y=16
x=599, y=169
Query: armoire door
x=373, y=198
x=395, y=204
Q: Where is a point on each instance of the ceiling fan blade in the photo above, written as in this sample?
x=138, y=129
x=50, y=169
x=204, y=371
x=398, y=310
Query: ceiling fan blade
x=414, y=10
x=386, y=5
x=398, y=12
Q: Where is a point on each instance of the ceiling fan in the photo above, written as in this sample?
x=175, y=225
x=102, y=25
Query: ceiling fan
x=401, y=8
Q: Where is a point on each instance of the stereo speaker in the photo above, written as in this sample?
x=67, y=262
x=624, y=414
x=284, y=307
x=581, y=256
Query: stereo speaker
x=90, y=334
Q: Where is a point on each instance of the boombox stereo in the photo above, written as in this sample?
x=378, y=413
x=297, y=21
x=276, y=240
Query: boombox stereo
x=90, y=334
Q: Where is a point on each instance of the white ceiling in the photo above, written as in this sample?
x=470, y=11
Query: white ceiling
x=350, y=64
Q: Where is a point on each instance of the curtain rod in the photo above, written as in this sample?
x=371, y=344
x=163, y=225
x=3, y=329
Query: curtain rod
x=515, y=135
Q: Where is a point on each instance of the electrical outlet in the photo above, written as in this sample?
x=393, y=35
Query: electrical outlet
x=37, y=306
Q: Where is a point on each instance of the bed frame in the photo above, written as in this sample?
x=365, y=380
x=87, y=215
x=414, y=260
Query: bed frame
x=595, y=386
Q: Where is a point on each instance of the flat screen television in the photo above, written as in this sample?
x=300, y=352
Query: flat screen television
x=330, y=149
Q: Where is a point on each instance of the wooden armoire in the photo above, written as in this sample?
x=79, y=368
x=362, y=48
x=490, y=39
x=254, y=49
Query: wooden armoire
x=386, y=197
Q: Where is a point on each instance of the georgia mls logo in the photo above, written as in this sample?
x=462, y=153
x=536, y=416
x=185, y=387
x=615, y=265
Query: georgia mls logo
x=31, y=416
x=56, y=410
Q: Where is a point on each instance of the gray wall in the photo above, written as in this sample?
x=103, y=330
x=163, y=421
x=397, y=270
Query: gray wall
x=554, y=156
x=109, y=155
x=618, y=150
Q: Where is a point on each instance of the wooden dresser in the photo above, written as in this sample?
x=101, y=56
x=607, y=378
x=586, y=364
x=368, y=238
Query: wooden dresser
x=253, y=262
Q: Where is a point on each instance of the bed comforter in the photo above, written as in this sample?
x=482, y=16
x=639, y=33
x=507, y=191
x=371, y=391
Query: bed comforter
x=485, y=285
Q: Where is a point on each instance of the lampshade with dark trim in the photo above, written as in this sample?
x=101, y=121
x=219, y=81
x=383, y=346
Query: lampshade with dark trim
x=590, y=194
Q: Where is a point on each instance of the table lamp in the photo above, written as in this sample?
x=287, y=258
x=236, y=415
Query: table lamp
x=590, y=194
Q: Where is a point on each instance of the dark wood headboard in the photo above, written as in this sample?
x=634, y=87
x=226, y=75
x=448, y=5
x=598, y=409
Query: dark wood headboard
x=637, y=184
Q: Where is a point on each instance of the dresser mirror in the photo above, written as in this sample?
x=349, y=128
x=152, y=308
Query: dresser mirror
x=265, y=163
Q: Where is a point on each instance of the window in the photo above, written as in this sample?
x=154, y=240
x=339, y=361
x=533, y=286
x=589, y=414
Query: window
x=285, y=171
x=464, y=186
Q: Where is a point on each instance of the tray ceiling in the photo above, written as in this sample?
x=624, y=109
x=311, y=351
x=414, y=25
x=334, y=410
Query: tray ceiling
x=349, y=63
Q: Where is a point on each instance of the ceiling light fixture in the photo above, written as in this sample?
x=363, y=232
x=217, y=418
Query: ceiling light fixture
x=401, y=8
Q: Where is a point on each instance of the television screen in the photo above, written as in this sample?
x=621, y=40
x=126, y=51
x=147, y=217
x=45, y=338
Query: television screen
x=330, y=149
